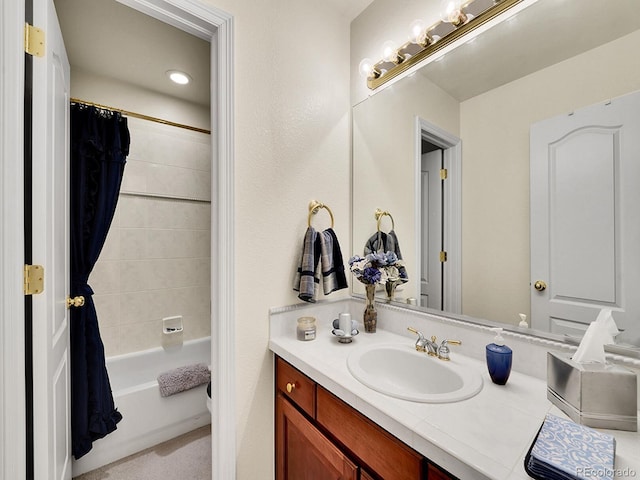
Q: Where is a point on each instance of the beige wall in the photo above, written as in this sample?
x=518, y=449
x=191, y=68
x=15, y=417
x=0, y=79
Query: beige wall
x=291, y=146
x=494, y=129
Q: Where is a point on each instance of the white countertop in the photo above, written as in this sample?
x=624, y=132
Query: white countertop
x=486, y=436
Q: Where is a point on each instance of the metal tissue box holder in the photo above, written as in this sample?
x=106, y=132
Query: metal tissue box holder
x=595, y=395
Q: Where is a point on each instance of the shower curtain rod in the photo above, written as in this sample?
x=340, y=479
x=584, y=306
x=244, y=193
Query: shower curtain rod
x=141, y=116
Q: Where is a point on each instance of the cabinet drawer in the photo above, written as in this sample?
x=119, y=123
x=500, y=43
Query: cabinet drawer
x=296, y=386
x=379, y=450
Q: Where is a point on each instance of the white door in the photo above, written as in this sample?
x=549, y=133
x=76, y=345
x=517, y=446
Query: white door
x=431, y=225
x=585, y=206
x=51, y=375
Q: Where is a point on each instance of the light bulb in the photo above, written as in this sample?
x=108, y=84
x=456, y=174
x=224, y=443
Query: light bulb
x=451, y=12
x=419, y=34
x=448, y=10
x=416, y=31
x=389, y=51
x=368, y=69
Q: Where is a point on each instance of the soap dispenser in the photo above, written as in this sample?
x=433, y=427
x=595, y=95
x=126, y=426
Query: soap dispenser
x=523, y=321
x=499, y=358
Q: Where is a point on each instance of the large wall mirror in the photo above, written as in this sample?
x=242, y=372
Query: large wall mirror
x=471, y=112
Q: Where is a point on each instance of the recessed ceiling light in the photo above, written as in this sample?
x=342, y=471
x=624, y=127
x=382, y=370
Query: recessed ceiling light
x=178, y=77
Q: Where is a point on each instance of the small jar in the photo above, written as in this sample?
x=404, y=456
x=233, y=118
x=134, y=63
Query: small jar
x=306, y=329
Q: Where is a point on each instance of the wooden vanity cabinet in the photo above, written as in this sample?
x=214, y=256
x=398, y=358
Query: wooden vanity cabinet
x=319, y=437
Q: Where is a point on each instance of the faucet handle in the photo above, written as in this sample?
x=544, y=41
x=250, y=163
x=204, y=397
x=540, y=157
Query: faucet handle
x=443, y=349
x=421, y=341
x=413, y=330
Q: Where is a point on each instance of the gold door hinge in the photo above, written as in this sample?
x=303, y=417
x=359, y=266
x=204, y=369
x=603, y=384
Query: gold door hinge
x=33, y=40
x=33, y=279
x=443, y=257
x=443, y=174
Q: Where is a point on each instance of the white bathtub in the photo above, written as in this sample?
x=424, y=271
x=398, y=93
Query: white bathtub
x=148, y=418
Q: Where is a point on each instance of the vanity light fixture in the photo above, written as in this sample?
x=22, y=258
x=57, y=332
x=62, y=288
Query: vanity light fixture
x=459, y=17
x=178, y=77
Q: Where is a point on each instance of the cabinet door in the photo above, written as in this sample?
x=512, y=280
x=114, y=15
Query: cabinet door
x=372, y=446
x=303, y=453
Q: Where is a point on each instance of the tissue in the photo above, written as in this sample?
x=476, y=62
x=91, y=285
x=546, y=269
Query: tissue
x=598, y=334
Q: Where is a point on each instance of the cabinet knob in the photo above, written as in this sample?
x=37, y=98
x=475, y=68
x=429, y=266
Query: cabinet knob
x=291, y=387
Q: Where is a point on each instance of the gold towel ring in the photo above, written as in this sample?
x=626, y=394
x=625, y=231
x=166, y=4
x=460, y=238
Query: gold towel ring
x=379, y=214
x=314, y=207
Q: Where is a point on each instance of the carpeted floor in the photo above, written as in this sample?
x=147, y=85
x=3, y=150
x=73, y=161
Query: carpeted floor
x=184, y=457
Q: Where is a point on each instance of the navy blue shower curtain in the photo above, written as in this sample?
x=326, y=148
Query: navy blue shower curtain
x=99, y=147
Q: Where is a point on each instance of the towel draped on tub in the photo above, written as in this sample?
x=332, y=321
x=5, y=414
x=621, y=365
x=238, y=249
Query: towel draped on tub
x=183, y=378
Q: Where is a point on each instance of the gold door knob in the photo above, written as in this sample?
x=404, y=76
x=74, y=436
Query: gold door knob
x=540, y=285
x=75, y=302
x=291, y=387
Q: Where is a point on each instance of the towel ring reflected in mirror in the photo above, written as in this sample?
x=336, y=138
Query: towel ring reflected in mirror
x=383, y=213
x=315, y=207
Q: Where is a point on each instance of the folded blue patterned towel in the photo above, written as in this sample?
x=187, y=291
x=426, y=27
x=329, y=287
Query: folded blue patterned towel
x=565, y=450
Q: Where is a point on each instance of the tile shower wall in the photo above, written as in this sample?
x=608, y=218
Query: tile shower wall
x=156, y=260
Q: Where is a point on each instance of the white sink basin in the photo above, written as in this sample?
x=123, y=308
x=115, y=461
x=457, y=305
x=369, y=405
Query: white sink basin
x=400, y=371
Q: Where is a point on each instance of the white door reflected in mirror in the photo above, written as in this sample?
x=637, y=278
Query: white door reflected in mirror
x=584, y=209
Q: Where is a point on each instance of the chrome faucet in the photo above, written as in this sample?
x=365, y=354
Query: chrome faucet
x=423, y=344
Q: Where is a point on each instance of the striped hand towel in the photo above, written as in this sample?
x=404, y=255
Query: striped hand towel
x=306, y=278
x=333, y=276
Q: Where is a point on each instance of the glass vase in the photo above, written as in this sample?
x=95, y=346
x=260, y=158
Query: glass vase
x=370, y=312
x=390, y=287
